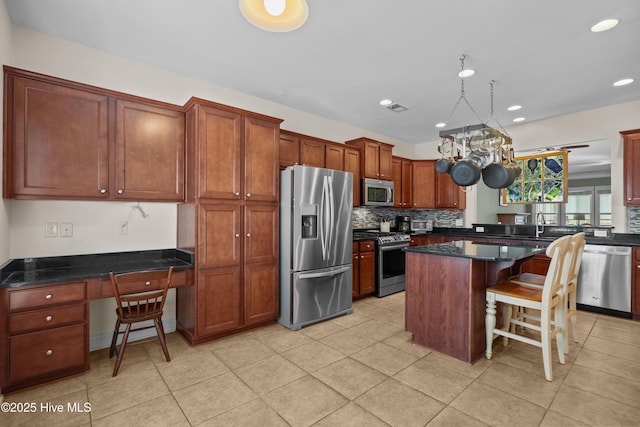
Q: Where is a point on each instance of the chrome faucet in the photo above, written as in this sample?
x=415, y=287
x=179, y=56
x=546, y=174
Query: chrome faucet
x=540, y=222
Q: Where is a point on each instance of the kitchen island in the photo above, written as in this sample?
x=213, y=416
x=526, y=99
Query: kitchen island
x=445, y=292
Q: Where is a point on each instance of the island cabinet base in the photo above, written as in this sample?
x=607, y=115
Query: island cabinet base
x=445, y=304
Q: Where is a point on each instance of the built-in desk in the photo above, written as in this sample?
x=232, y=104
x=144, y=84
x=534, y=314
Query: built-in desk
x=445, y=292
x=44, y=303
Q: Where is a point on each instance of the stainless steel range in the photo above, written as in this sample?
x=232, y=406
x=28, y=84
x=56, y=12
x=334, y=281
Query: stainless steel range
x=389, y=260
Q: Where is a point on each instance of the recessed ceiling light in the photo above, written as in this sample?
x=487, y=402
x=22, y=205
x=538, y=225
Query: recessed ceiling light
x=605, y=25
x=514, y=107
x=440, y=125
x=519, y=119
x=623, y=82
x=467, y=72
x=386, y=102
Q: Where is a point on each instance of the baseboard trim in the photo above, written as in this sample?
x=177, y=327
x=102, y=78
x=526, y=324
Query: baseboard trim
x=100, y=341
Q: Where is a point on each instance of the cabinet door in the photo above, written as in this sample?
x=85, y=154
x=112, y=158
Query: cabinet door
x=423, y=184
x=261, y=234
x=371, y=155
x=149, y=153
x=219, y=141
x=367, y=272
x=59, y=141
x=334, y=157
x=261, y=153
x=448, y=194
x=312, y=153
x=396, y=173
x=407, y=187
x=289, y=150
x=219, y=304
x=261, y=293
x=220, y=231
x=631, y=170
x=352, y=164
x=385, y=161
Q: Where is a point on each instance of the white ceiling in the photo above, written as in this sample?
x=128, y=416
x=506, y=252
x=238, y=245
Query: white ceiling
x=352, y=53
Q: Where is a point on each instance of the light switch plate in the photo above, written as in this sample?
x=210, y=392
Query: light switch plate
x=66, y=229
x=599, y=233
x=459, y=222
x=50, y=229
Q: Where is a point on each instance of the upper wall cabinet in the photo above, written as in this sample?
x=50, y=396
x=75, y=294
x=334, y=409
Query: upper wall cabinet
x=65, y=140
x=631, y=148
x=375, y=159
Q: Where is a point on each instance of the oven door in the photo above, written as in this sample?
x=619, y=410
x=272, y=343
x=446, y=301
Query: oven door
x=390, y=277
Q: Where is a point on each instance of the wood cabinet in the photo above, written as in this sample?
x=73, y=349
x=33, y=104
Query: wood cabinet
x=230, y=220
x=635, y=284
x=448, y=194
x=65, y=140
x=312, y=153
x=364, y=273
x=352, y=164
x=47, y=334
x=631, y=144
x=375, y=158
x=334, y=156
x=423, y=186
x=419, y=240
x=402, y=182
x=537, y=264
x=289, y=150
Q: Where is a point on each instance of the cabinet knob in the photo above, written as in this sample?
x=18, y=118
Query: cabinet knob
x=629, y=199
x=248, y=234
x=147, y=283
x=120, y=191
x=48, y=296
x=48, y=318
x=49, y=352
x=248, y=194
x=238, y=235
x=237, y=193
x=103, y=191
x=356, y=257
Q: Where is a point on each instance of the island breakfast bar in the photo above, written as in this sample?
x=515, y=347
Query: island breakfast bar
x=445, y=292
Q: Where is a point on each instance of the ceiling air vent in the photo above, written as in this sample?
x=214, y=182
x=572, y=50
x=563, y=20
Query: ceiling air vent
x=397, y=108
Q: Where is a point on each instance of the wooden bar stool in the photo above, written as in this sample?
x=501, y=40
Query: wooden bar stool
x=135, y=306
x=569, y=284
x=545, y=299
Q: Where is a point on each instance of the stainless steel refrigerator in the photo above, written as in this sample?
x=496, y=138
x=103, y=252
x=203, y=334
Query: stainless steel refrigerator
x=315, y=245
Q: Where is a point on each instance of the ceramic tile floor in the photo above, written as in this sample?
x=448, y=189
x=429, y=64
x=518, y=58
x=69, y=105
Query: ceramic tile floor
x=354, y=370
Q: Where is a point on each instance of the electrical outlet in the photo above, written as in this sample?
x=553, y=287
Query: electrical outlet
x=479, y=229
x=123, y=227
x=66, y=229
x=50, y=229
x=459, y=222
x=599, y=233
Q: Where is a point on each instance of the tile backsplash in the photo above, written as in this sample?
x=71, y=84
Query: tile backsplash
x=633, y=220
x=369, y=217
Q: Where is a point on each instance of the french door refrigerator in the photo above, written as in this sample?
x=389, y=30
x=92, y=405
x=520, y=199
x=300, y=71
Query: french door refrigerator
x=315, y=245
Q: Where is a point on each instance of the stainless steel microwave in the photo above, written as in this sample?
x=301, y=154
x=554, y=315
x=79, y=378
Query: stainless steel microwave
x=376, y=192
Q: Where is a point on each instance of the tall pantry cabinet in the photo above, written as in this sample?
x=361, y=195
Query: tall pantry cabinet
x=230, y=219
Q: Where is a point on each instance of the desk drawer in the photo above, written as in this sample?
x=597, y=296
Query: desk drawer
x=47, y=318
x=46, y=296
x=178, y=278
x=44, y=352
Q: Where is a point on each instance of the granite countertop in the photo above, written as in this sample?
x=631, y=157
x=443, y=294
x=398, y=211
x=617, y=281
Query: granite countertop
x=480, y=251
x=32, y=271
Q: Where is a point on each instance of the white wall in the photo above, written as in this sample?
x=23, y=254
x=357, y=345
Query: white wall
x=5, y=56
x=601, y=124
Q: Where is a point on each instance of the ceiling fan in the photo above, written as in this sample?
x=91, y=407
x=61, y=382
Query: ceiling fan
x=567, y=148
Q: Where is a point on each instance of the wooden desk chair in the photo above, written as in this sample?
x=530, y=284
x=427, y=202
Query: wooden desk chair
x=570, y=287
x=545, y=299
x=135, y=306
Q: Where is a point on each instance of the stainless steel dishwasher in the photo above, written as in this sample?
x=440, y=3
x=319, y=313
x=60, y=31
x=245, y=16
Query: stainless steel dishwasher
x=605, y=278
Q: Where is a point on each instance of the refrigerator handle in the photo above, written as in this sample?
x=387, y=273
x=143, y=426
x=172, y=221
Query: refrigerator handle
x=332, y=215
x=323, y=219
x=325, y=274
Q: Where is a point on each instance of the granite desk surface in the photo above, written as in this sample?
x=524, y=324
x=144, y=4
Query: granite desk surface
x=33, y=271
x=479, y=251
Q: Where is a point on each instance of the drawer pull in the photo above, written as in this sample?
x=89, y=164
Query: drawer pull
x=147, y=283
x=49, y=352
x=48, y=296
x=48, y=318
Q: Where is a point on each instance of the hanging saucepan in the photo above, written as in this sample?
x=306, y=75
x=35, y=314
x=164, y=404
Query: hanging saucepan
x=498, y=175
x=444, y=165
x=466, y=172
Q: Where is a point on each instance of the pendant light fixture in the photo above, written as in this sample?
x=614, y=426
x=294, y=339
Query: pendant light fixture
x=277, y=16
